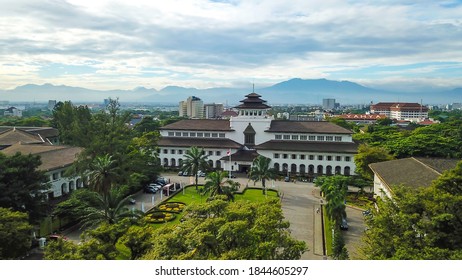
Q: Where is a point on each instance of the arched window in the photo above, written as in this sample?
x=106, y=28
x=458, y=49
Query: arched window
x=320, y=170
x=346, y=171
x=180, y=162
x=276, y=167
x=302, y=169
x=329, y=170
x=64, y=189
x=338, y=170
x=218, y=164
x=310, y=169
x=293, y=168
x=285, y=167
x=71, y=186
x=79, y=183
x=165, y=162
x=172, y=162
x=210, y=162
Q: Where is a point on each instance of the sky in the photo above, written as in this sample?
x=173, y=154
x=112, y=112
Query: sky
x=101, y=44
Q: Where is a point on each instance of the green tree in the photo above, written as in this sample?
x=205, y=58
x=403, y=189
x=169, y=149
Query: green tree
x=334, y=189
x=22, y=185
x=195, y=159
x=261, y=171
x=139, y=240
x=147, y=124
x=367, y=155
x=15, y=234
x=217, y=183
x=239, y=230
x=339, y=251
x=103, y=173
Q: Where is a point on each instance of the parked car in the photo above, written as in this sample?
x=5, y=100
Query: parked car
x=131, y=200
x=152, y=188
x=367, y=212
x=344, y=224
x=161, y=181
x=201, y=173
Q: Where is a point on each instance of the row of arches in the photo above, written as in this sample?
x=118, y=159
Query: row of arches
x=311, y=169
x=71, y=186
x=179, y=162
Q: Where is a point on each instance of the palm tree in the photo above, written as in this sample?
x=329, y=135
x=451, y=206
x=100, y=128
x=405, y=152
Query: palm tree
x=103, y=173
x=218, y=183
x=261, y=171
x=111, y=207
x=195, y=160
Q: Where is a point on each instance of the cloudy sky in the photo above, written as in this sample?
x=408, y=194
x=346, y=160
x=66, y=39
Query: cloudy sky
x=101, y=44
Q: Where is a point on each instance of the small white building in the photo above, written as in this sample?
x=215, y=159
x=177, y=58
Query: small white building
x=13, y=112
x=303, y=148
x=409, y=172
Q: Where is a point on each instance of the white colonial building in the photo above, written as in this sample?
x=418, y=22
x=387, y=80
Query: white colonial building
x=305, y=148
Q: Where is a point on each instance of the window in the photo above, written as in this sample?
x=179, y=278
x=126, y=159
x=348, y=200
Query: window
x=286, y=137
x=347, y=158
x=210, y=153
x=330, y=138
x=311, y=138
x=221, y=135
x=294, y=137
x=218, y=153
x=215, y=135
x=185, y=134
x=192, y=134
x=278, y=137
x=171, y=133
x=180, y=152
x=329, y=158
x=311, y=157
x=319, y=157
x=177, y=133
x=303, y=137
x=284, y=155
x=320, y=138
x=172, y=151
x=206, y=134
x=338, y=138
x=165, y=151
x=302, y=157
x=55, y=176
x=276, y=155
x=200, y=134
x=338, y=158
x=294, y=156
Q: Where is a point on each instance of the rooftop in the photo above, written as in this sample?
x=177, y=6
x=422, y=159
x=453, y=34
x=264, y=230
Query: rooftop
x=307, y=127
x=201, y=125
x=412, y=172
x=188, y=142
x=305, y=146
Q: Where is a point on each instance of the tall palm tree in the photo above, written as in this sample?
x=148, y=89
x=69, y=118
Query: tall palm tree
x=218, y=183
x=111, y=207
x=195, y=160
x=103, y=173
x=261, y=171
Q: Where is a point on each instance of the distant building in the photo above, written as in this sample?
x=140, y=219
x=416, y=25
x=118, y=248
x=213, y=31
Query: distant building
x=13, y=112
x=213, y=111
x=229, y=114
x=362, y=118
x=328, y=104
x=400, y=111
x=192, y=108
x=51, y=104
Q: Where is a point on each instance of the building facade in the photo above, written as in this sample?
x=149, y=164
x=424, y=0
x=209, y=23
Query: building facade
x=302, y=148
x=213, y=110
x=413, y=112
x=192, y=108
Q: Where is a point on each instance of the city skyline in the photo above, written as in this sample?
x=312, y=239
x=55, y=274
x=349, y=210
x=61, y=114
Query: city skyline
x=105, y=45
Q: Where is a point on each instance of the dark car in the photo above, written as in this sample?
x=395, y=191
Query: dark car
x=344, y=224
x=131, y=200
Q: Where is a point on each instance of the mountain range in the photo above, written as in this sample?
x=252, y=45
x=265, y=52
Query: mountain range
x=294, y=91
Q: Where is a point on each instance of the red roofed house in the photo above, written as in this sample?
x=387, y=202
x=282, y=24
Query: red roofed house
x=413, y=112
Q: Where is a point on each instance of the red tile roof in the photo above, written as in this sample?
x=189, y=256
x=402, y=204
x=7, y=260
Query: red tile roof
x=200, y=125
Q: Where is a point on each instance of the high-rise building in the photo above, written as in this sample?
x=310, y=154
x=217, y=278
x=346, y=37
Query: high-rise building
x=213, y=110
x=193, y=108
x=328, y=103
x=51, y=104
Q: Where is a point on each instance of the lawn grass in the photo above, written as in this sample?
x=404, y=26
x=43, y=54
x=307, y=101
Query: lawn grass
x=361, y=201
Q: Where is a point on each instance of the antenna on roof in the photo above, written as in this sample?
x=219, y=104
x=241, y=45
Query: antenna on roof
x=253, y=87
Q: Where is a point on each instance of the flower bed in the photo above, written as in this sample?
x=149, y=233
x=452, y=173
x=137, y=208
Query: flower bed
x=160, y=217
x=176, y=207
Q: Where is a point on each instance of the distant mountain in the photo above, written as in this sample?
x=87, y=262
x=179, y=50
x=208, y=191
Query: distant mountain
x=294, y=91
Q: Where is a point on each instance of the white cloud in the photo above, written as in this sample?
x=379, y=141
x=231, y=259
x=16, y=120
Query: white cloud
x=208, y=43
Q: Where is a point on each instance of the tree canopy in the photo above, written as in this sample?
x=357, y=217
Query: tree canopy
x=15, y=234
x=423, y=223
